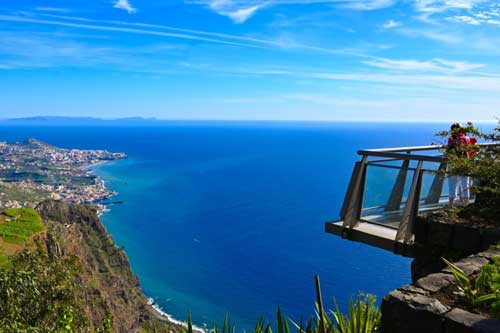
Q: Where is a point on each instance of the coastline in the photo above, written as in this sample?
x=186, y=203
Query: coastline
x=165, y=316
x=101, y=210
x=88, y=167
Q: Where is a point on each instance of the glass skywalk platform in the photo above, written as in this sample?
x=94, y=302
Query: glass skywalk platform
x=387, y=191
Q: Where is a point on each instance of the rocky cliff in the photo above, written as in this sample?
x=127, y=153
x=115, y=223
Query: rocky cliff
x=106, y=279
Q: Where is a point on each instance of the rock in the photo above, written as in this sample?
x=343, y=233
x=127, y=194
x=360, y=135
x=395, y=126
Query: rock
x=460, y=321
x=489, y=254
x=470, y=265
x=53, y=247
x=425, y=265
x=414, y=290
x=411, y=313
x=435, y=282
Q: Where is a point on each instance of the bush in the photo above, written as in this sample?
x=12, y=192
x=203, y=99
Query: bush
x=483, y=167
x=482, y=293
x=38, y=294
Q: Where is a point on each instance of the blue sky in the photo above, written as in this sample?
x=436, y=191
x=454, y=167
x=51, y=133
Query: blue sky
x=376, y=60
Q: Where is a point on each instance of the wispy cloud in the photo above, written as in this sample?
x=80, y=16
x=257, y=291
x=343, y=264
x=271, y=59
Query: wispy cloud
x=384, y=107
x=464, y=19
x=437, y=6
x=486, y=16
x=241, y=10
x=437, y=65
x=472, y=12
x=237, y=13
x=98, y=27
x=52, y=9
x=125, y=5
x=181, y=33
x=391, y=24
x=432, y=34
x=444, y=82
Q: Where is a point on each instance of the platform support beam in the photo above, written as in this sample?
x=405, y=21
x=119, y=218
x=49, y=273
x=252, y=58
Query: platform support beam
x=437, y=186
x=405, y=231
x=394, y=202
x=351, y=209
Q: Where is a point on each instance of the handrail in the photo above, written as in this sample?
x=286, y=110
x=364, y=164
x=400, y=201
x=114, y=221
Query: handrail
x=400, y=149
x=398, y=156
x=415, y=148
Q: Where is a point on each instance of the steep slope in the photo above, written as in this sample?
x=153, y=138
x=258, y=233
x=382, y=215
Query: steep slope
x=106, y=278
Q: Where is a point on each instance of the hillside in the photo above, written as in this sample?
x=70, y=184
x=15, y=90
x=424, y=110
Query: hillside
x=102, y=283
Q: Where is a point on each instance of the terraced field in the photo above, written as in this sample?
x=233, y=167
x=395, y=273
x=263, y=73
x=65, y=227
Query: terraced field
x=17, y=227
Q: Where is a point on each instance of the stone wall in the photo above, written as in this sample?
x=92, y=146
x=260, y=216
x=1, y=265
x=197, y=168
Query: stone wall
x=416, y=309
x=436, y=237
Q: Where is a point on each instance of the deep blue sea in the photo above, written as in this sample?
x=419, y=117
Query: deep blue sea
x=228, y=217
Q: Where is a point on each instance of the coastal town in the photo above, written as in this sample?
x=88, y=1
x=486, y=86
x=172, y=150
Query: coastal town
x=31, y=171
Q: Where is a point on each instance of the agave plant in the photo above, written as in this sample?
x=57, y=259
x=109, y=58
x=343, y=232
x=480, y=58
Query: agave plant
x=363, y=317
x=474, y=293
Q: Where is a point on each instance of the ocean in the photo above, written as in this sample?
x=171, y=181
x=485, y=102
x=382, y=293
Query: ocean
x=223, y=217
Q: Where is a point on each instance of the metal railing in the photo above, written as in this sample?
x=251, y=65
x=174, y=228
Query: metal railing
x=390, y=187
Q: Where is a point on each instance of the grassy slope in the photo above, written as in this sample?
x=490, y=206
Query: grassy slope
x=17, y=227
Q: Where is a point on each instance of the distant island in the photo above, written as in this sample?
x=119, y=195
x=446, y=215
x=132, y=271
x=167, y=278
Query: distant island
x=76, y=121
x=32, y=171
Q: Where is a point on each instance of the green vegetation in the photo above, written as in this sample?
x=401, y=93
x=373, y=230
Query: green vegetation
x=363, y=317
x=13, y=192
x=40, y=294
x=484, y=167
x=19, y=225
x=484, y=292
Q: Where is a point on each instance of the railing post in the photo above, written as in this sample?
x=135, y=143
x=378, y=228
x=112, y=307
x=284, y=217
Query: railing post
x=405, y=230
x=394, y=202
x=437, y=186
x=350, y=188
x=352, y=208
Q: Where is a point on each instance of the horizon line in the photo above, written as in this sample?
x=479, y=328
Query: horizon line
x=228, y=120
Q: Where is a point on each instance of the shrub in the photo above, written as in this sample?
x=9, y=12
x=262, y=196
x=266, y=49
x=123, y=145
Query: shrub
x=484, y=291
x=39, y=294
x=484, y=167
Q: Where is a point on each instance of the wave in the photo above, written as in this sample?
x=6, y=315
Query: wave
x=169, y=317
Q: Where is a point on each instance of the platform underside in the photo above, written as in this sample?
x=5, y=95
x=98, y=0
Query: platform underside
x=370, y=234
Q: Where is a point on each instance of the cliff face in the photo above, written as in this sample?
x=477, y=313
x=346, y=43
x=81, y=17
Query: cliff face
x=107, y=280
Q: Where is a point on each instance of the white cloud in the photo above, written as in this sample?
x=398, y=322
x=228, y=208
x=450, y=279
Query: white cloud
x=444, y=82
x=391, y=24
x=436, y=65
x=366, y=4
x=52, y=9
x=417, y=107
x=457, y=66
x=435, y=35
x=472, y=12
x=178, y=33
x=242, y=14
x=437, y=6
x=241, y=10
x=128, y=29
x=464, y=19
x=125, y=5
